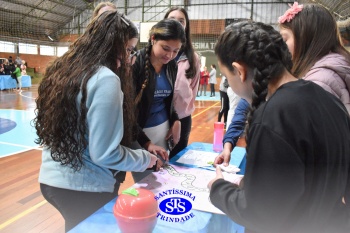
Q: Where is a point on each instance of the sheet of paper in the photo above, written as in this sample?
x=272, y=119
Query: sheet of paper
x=197, y=158
x=193, y=180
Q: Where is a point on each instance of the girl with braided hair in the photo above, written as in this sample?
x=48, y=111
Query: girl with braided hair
x=154, y=74
x=83, y=98
x=297, y=176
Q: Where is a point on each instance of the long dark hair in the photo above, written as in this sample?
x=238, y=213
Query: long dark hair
x=187, y=48
x=166, y=29
x=312, y=42
x=262, y=49
x=59, y=124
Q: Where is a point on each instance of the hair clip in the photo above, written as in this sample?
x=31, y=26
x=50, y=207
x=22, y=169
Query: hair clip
x=290, y=13
x=124, y=20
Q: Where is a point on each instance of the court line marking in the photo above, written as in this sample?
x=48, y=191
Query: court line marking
x=22, y=214
x=26, y=96
x=18, y=145
x=28, y=148
x=205, y=110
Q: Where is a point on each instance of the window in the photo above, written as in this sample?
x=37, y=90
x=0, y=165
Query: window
x=7, y=47
x=61, y=51
x=28, y=48
x=47, y=50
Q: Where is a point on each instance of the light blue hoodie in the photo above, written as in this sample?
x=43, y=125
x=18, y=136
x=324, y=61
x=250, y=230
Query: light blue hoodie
x=104, y=152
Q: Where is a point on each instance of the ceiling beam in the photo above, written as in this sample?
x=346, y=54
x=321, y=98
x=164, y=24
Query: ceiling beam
x=37, y=8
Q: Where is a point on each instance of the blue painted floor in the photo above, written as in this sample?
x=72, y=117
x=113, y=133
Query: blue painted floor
x=208, y=98
x=16, y=131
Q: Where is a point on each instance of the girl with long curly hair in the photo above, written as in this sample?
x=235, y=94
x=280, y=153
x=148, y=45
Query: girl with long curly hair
x=298, y=141
x=83, y=100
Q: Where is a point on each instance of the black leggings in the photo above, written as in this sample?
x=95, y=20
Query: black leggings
x=186, y=124
x=225, y=106
x=75, y=206
x=212, y=89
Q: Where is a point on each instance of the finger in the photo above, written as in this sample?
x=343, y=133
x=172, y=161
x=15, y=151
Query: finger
x=218, y=160
x=159, y=165
x=164, y=155
x=210, y=184
x=155, y=161
x=226, y=160
x=218, y=172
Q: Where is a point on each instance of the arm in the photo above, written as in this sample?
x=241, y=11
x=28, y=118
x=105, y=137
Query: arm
x=105, y=122
x=17, y=71
x=185, y=90
x=237, y=125
x=273, y=184
x=233, y=133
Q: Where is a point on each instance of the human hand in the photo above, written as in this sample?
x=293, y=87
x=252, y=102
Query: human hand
x=175, y=132
x=223, y=158
x=160, y=164
x=158, y=150
x=153, y=160
x=218, y=176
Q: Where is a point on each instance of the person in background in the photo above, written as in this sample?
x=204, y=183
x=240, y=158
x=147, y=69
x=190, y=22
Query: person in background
x=2, y=69
x=204, y=76
x=11, y=65
x=18, y=61
x=7, y=67
x=18, y=77
x=233, y=102
x=187, y=79
x=23, y=68
x=85, y=128
x=102, y=7
x=317, y=52
x=297, y=175
x=225, y=105
x=212, y=80
x=154, y=74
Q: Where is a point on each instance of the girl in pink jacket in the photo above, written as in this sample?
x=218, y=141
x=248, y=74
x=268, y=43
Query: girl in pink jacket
x=187, y=79
x=317, y=52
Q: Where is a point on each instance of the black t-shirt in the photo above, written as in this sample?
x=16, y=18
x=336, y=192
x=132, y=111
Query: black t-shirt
x=298, y=165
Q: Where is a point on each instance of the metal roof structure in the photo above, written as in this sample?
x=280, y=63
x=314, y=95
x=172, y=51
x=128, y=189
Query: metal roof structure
x=38, y=19
x=43, y=19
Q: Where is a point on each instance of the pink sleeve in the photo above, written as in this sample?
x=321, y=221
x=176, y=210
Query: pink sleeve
x=185, y=90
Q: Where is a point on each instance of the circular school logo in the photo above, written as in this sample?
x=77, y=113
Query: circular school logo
x=175, y=205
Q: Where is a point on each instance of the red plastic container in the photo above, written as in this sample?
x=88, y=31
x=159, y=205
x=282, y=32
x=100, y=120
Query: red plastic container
x=136, y=214
x=218, y=136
